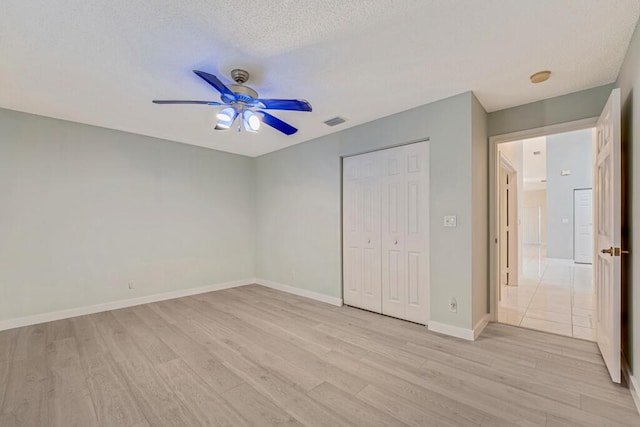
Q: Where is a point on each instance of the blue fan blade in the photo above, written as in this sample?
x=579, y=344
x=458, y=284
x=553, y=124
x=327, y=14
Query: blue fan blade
x=283, y=104
x=278, y=124
x=156, y=101
x=216, y=83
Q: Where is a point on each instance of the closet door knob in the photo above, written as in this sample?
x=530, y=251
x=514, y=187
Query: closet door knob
x=396, y=242
x=368, y=241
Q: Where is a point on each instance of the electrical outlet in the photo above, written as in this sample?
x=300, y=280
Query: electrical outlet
x=453, y=305
x=450, y=221
x=131, y=286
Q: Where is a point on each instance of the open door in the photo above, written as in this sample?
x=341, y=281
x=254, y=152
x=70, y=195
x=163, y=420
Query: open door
x=607, y=215
x=508, y=217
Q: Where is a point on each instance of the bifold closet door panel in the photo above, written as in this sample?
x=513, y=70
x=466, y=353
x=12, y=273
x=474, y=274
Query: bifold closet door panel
x=394, y=268
x=405, y=222
x=361, y=229
x=416, y=241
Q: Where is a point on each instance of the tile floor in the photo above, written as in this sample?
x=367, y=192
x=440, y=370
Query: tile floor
x=554, y=296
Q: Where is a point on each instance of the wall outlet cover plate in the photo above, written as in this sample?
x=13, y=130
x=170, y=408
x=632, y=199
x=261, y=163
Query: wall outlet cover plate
x=450, y=221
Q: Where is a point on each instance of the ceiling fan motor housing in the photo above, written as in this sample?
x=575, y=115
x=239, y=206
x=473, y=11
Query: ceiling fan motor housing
x=244, y=93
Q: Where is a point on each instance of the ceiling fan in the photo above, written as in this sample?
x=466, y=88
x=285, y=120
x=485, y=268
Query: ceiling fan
x=242, y=101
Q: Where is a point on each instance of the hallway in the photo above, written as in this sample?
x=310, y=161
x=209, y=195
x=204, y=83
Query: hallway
x=554, y=296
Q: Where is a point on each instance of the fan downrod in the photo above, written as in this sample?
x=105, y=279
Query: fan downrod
x=239, y=76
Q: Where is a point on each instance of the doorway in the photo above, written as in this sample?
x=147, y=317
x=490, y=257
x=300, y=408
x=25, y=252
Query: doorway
x=599, y=284
x=545, y=233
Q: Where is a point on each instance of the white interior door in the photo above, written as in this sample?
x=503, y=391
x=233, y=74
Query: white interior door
x=607, y=215
x=405, y=225
x=361, y=229
x=583, y=224
x=508, y=216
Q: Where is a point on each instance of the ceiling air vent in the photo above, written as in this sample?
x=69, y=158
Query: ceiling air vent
x=335, y=121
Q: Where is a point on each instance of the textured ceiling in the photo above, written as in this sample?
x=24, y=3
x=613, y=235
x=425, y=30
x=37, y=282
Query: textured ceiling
x=102, y=62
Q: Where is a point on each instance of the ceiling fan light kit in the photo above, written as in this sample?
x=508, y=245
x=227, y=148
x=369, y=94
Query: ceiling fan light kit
x=241, y=100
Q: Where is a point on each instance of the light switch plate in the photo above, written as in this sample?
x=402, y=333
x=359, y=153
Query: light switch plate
x=450, y=221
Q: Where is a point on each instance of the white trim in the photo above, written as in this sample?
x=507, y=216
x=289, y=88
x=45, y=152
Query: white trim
x=479, y=327
x=454, y=331
x=300, y=292
x=634, y=386
x=114, y=305
x=458, y=332
x=589, y=122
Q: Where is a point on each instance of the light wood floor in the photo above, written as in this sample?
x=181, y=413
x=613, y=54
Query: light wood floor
x=255, y=356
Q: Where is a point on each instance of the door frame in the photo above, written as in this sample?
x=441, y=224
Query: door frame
x=494, y=159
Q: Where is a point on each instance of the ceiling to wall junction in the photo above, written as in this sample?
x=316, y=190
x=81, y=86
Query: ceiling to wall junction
x=102, y=62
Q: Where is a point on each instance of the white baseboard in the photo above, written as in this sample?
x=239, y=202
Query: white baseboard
x=454, y=331
x=300, y=292
x=458, y=332
x=479, y=327
x=634, y=386
x=114, y=305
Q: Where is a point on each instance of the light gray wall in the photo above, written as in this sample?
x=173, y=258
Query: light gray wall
x=298, y=216
x=480, y=210
x=566, y=151
x=560, y=109
x=537, y=198
x=629, y=84
x=86, y=209
x=299, y=204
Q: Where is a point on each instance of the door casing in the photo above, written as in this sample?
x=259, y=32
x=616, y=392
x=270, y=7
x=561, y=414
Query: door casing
x=494, y=162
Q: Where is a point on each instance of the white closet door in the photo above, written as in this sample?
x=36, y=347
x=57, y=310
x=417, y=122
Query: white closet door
x=405, y=224
x=394, y=224
x=416, y=245
x=583, y=226
x=361, y=225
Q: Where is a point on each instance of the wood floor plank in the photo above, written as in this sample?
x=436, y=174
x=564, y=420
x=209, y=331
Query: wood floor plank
x=8, y=340
x=256, y=408
x=151, y=345
x=25, y=402
x=113, y=401
x=352, y=408
x=72, y=410
x=67, y=387
x=121, y=345
x=31, y=342
x=154, y=397
x=402, y=409
x=305, y=378
x=278, y=388
x=256, y=356
x=424, y=397
x=205, y=404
